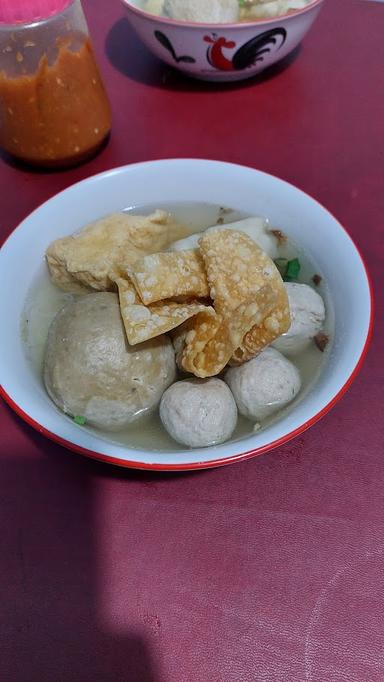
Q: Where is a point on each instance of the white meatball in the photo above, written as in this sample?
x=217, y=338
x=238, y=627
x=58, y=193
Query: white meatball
x=191, y=242
x=254, y=227
x=92, y=372
x=214, y=11
x=307, y=317
x=199, y=412
x=263, y=385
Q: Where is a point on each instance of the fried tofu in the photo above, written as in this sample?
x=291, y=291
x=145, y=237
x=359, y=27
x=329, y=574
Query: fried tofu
x=103, y=250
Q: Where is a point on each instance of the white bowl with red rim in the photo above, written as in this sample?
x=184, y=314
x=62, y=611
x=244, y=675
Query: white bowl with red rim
x=310, y=225
x=222, y=52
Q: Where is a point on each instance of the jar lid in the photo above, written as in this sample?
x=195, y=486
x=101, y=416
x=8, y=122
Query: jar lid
x=28, y=11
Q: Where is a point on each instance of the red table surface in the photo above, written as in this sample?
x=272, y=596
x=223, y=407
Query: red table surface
x=271, y=570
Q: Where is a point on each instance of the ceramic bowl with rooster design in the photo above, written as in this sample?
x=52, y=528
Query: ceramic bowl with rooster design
x=222, y=52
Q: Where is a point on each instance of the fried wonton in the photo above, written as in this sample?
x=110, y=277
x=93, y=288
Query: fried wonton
x=103, y=250
x=143, y=322
x=205, y=344
x=236, y=271
x=170, y=275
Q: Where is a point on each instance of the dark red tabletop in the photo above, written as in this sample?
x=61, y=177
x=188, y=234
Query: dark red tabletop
x=267, y=571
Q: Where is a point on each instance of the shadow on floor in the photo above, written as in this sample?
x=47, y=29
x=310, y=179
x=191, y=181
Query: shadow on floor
x=51, y=628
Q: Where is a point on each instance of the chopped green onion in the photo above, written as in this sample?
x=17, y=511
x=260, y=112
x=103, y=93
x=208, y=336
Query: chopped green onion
x=289, y=269
x=79, y=420
x=292, y=271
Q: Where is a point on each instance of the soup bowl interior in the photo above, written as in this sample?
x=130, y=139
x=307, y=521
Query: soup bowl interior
x=250, y=191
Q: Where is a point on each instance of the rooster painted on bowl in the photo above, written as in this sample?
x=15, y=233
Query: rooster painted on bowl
x=222, y=52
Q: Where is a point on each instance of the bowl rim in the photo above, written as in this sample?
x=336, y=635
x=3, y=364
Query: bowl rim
x=225, y=26
x=221, y=461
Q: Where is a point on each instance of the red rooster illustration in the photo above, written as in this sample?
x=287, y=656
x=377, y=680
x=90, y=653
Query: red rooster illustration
x=248, y=54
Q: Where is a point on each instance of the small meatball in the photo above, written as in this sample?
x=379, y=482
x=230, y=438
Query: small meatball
x=307, y=317
x=214, y=11
x=90, y=370
x=199, y=412
x=254, y=227
x=263, y=385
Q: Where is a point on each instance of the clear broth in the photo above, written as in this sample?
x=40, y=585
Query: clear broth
x=147, y=433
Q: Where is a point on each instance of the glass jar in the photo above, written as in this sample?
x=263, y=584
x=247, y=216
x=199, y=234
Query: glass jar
x=54, y=111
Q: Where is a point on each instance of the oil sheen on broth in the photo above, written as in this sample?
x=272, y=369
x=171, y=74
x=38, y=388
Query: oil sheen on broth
x=45, y=300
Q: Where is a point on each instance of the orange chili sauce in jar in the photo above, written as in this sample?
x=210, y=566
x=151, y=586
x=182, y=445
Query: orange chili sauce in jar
x=54, y=112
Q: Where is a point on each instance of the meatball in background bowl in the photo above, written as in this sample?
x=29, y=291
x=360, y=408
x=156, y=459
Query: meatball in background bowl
x=224, y=51
x=192, y=181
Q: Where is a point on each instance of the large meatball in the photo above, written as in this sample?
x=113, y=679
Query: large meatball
x=91, y=371
x=199, y=412
x=263, y=385
x=307, y=316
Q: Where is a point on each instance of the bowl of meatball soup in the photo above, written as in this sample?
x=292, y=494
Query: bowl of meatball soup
x=180, y=314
